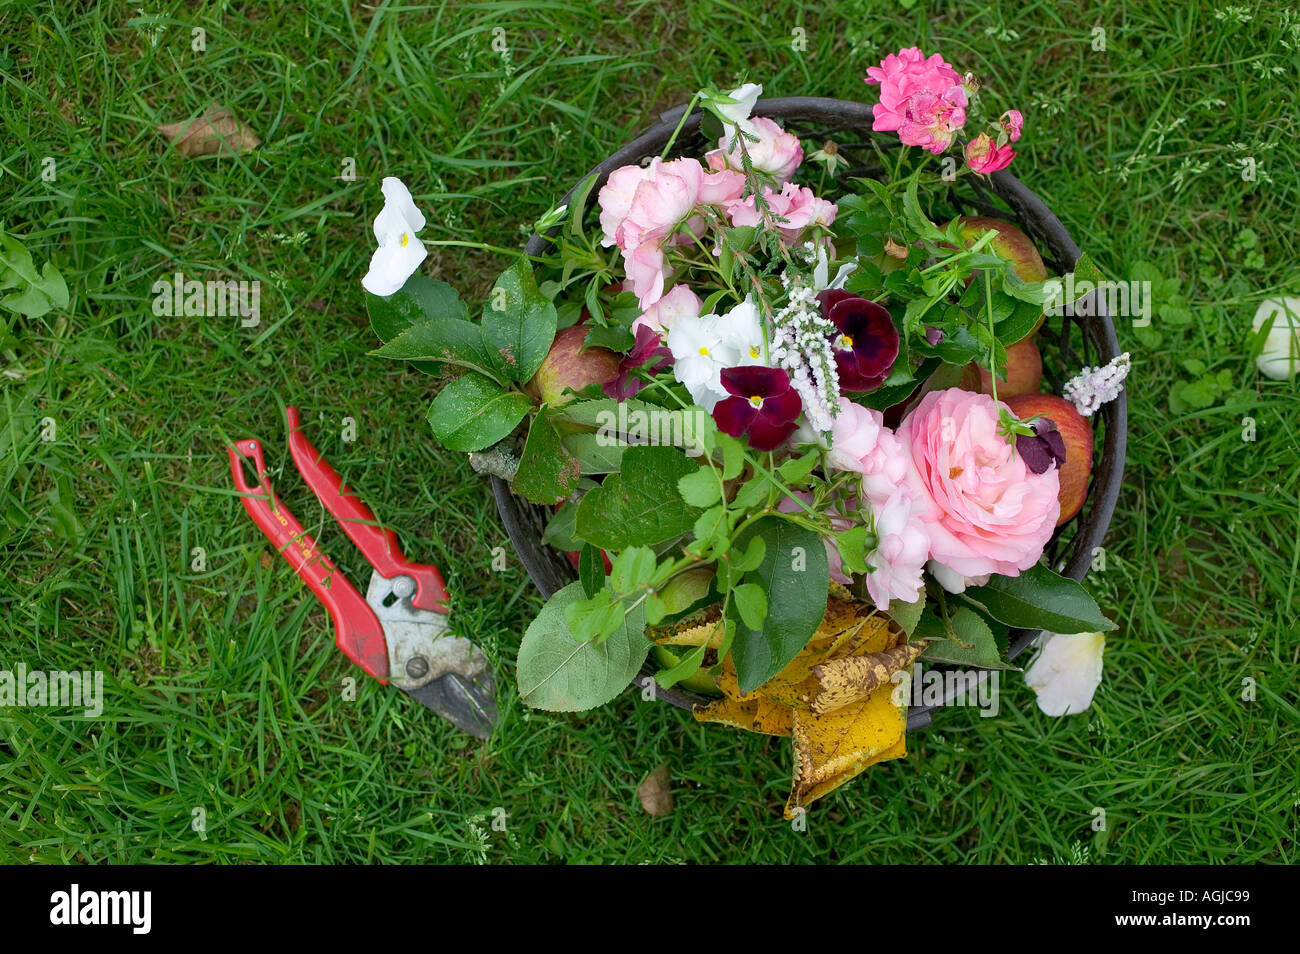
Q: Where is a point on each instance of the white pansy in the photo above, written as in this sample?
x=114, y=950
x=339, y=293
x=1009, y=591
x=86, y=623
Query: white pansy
x=1280, y=357
x=400, y=252
x=742, y=329
x=1067, y=672
x=703, y=345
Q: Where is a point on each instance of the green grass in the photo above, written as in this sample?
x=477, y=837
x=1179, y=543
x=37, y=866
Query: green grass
x=224, y=691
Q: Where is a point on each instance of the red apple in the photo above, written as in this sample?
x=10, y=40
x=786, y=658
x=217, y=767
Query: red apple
x=1012, y=244
x=569, y=367
x=1076, y=432
x=1024, y=371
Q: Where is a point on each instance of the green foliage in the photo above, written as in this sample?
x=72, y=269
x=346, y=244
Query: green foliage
x=30, y=293
x=563, y=674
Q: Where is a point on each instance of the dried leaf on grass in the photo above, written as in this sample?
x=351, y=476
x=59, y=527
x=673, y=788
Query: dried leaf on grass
x=216, y=131
x=833, y=745
x=655, y=794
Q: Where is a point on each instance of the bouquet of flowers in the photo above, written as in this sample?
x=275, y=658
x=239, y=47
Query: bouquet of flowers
x=790, y=427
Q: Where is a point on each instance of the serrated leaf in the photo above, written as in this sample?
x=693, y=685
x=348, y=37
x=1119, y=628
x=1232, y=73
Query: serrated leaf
x=547, y=473
x=474, y=412
x=700, y=489
x=639, y=505
x=559, y=674
x=519, y=322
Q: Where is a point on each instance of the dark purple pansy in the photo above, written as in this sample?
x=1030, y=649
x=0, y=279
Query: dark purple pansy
x=933, y=336
x=865, y=342
x=762, y=406
x=1044, y=448
x=647, y=347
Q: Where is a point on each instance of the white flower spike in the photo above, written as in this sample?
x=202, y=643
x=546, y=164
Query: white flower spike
x=1067, y=672
x=400, y=252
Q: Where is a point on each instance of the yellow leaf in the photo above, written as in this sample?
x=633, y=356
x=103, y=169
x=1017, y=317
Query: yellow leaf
x=710, y=633
x=832, y=748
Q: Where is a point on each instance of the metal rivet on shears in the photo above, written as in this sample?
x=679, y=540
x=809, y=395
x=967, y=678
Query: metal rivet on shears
x=417, y=667
x=403, y=587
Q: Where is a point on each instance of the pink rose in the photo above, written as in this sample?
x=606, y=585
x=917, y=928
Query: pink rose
x=646, y=273
x=645, y=205
x=792, y=210
x=984, y=157
x=1012, y=123
x=777, y=152
x=985, y=510
x=924, y=100
x=615, y=198
x=659, y=317
x=902, y=548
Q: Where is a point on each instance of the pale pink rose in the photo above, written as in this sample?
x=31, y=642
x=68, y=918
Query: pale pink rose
x=1012, y=123
x=924, y=100
x=615, y=198
x=721, y=187
x=777, y=152
x=646, y=273
x=663, y=199
x=984, y=157
x=659, y=317
x=985, y=510
x=902, y=548
x=792, y=210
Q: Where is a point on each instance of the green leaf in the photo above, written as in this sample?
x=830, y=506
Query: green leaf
x=916, y=218
x=560, y=675
x=686, y=589
x=1040, y=599
x=446, y=341
x=591, y=570
x=639, y=506
x=733, y=456
x=547, y=473
x=972, y=643
x=852, y=547
x=753, y=555
x=474, y=412
x=519, y=322
x=710, y=531
x=632, y=569
x=686, y=667
x=751, y=603
x=906, y=615
x=796, y=469
x=420, y=300
x=596, y=453
x=559, y=532
x=795, y=576
x=595, y=617
x=752, y=493
x=700, y=489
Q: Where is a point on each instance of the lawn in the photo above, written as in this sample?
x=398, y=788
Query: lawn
x=227, y=735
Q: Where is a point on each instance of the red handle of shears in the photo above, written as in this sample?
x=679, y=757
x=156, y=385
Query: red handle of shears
x=378, y=544
x=358, y=631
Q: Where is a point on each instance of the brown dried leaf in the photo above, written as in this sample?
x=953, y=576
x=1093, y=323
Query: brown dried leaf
x=842, y=681
x=216, y=131
x=655, y=794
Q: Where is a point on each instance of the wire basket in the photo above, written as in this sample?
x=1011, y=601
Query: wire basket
x=1068, y=343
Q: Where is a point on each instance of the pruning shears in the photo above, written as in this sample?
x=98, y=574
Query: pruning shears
x=398, y=631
